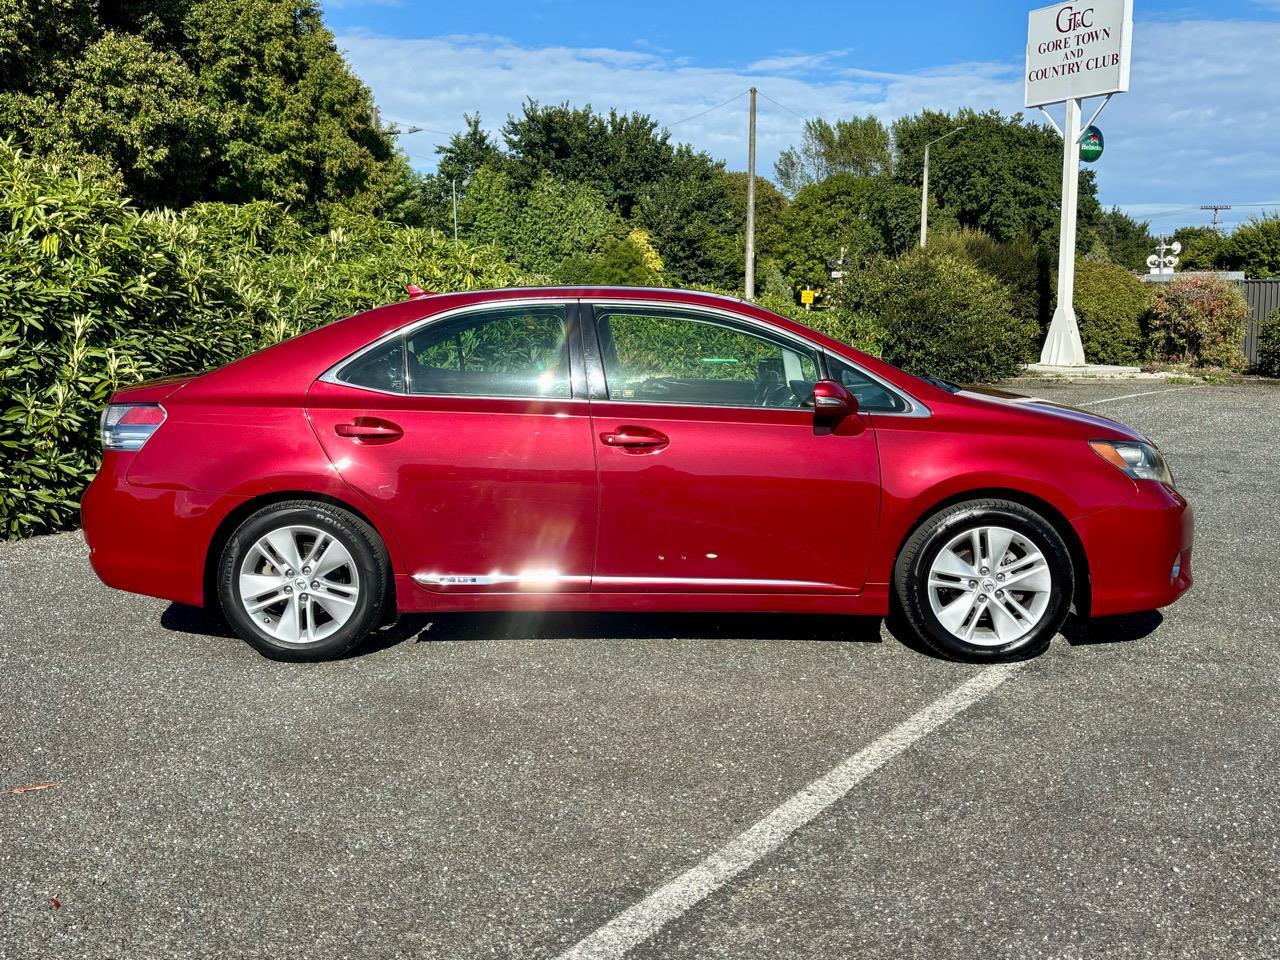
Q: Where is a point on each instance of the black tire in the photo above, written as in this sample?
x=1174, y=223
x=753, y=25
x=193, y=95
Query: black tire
x=911, y=576
x=367, y=553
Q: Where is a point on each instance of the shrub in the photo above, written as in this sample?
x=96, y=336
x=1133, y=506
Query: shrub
x=1200, y=321
x=1269, y=346
x=95, y=295
x=940, y=315
x=1110, y=305
x=1017, y=265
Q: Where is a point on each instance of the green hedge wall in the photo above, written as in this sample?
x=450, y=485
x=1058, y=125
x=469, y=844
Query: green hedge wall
x=95, y=295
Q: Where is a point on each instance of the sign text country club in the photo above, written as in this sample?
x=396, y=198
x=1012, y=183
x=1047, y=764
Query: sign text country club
x=1078, y=49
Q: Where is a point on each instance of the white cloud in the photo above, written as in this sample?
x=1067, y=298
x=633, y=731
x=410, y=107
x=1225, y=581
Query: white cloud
x=1201, y=123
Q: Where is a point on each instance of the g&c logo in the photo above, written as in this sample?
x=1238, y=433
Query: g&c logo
x=1070, y=19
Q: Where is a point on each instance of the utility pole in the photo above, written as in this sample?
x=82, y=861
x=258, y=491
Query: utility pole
x=1216, y=208
x=751, y=200
x=924, y=190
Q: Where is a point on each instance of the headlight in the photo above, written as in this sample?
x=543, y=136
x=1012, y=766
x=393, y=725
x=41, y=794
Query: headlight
x=1142, y=461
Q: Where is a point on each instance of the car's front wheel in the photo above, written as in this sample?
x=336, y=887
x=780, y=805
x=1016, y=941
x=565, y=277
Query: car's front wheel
x=303, y=580
x=985, y=579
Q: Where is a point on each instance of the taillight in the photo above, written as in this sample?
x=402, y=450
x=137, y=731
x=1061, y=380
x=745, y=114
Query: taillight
x=127, y=426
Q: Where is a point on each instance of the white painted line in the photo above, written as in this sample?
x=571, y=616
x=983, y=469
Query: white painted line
x=638, y=923
x=1130, y=396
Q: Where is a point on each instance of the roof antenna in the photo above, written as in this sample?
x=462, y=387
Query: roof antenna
x=416, y=292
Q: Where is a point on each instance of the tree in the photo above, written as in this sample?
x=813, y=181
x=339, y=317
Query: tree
x=860, y=145
x=231, y=100
x=689, y=214
x=1254, y=247
x=770, y=207
x=1128, y=243
x=622, y=262
x=1202, y=248
x=619, y=155
x=999, y=174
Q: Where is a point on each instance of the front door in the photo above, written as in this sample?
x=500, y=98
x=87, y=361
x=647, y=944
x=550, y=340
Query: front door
x=715, y=476
x=470, y=438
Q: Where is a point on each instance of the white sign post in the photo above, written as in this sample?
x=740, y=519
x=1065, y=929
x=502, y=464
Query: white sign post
x=1075, y=50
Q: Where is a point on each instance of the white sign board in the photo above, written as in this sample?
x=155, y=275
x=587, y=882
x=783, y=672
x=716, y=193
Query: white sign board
x=1078, y=49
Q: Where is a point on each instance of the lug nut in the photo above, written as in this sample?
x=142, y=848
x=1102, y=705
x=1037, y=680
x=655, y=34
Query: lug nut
x=973, y=584
x=315, y=584
x=985, y=571
x=306, y=569
x=288, y=573
x=999, y=593
x=1000, y=577
x=288, y=589
x=983, y=598
x=303, y=597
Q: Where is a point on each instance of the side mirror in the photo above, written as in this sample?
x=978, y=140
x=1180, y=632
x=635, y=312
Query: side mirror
x=833, y=399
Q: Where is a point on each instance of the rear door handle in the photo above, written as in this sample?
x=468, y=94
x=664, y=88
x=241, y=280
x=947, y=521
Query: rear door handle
x=370, y=430
x=635, y=437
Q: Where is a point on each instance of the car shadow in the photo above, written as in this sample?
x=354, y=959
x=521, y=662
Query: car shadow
x=1120, y=629
x=463, y=627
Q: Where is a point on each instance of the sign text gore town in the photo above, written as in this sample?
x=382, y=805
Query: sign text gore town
x=1078, y=49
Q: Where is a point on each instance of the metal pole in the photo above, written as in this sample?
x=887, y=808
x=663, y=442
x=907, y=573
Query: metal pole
x=455, y=211
x=924, y=188
x=751, y=200
x=1062, y=347
x=924, y=200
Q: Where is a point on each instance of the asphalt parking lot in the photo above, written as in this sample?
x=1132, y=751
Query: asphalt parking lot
x=506, y=786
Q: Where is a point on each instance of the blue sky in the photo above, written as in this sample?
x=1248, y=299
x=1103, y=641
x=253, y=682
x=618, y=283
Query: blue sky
x=1201, y=123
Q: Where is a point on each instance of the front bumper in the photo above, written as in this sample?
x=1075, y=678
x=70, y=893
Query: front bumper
x=1139, y=552
x=149, y=540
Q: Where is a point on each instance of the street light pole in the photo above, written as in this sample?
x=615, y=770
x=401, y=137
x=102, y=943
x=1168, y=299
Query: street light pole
x=924, y=190
x=750, y=284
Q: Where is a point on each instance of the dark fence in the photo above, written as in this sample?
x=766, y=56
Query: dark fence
x=1264, y=300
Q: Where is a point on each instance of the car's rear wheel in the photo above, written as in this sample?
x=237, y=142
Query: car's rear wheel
x=303, y=580
x=985, y=580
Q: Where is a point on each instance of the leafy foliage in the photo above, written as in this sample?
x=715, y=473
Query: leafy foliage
x=860, y=145
x=940, y=316
x=95, y=294
x=1111, y=304
x=1269, y=346
x=1127, y=242
x=1199, y=321
x=1254, y=247
x=231, y=100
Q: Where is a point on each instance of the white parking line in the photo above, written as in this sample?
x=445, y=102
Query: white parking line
x=1130, y=396
x=638, y=923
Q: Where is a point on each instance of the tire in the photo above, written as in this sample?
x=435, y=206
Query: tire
x=989, y=610
x=312, y=616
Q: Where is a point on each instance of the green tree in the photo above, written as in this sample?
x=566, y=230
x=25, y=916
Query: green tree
x=1254, y=247
x=621, y=262
x=689, y=214
x=1202, y=248
x=771, y=205
x=1128, y=242
x=1000, y=174
x=860, y=145
x=186, y=100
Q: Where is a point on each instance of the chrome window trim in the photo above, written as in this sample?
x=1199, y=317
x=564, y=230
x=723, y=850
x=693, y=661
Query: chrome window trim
x=413, y=326
x=915, y=409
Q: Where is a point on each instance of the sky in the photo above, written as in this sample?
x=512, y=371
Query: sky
x=1200, y=124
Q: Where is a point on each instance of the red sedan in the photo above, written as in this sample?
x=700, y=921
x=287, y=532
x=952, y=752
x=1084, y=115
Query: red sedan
x=620, y=449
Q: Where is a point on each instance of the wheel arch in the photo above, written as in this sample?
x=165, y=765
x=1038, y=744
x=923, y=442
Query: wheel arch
x=252, y=505
x=1055, y=517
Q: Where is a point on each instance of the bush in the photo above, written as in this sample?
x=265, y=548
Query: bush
x=1017, y=265
x=1110, y=306
x=95, y=295
x=940, y=315
x=1269, y=346
x=1198, y=321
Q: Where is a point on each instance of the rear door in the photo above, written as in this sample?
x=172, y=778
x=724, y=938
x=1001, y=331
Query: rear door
x=715, y=474
x=472, y=435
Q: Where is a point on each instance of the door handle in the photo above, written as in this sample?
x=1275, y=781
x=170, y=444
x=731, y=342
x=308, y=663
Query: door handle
x=369, y=430
x=635, y=437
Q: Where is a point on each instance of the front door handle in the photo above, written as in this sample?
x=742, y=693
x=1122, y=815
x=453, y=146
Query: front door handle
x=370, y=430
x=635, y=437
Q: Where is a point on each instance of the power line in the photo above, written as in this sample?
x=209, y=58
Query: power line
x=711, y=110
x=784, y=107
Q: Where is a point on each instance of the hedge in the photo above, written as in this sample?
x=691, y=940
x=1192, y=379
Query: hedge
x=1269, y=346
x=1110, y=304
x=95, y=295
x=1198, y=320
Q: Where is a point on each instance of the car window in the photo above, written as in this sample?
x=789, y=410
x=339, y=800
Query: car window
x=873, y=397
x=506, y=352
x=381, y=368
x=656, y=356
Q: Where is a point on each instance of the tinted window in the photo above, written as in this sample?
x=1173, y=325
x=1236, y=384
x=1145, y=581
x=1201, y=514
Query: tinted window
x=381, y=368
x=660, y=357
x=507, y=352
x=872, y=396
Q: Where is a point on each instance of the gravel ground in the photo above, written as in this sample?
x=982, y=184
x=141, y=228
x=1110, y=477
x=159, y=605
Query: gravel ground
x=500, y=786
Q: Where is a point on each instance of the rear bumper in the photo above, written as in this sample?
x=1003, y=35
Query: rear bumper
x=149, y=540
x=1139, y=552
